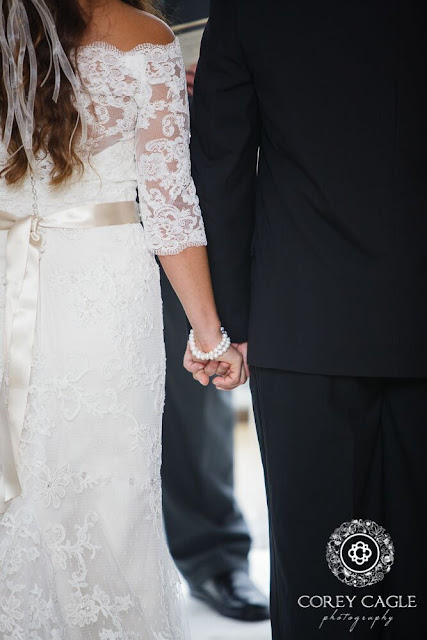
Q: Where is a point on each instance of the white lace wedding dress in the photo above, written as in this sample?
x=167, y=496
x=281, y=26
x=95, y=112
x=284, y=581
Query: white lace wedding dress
x=83, y=553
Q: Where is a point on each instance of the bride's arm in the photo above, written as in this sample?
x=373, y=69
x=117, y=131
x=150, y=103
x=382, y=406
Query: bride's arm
x=188, y=272
x=169, y=205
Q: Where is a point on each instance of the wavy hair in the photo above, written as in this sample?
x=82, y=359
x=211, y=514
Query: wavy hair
x=55, y=122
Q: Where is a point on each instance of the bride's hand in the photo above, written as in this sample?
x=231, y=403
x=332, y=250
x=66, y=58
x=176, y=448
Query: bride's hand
x=231, y=369
x=196, y=367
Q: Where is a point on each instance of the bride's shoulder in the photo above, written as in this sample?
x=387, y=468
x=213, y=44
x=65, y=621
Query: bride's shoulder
x=139, y=27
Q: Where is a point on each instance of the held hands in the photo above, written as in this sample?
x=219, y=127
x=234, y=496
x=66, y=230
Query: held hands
x=230, y=368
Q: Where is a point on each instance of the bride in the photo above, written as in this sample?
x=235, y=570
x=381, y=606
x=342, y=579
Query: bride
x=93, y=107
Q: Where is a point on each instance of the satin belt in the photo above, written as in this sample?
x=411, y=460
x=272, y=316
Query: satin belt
x=23, y=253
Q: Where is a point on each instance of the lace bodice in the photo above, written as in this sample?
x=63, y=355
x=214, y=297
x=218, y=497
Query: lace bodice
x=137, y=109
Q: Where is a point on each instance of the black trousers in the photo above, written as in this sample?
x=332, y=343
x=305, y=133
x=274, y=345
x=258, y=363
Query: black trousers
x=335, y=449
x=206, y=531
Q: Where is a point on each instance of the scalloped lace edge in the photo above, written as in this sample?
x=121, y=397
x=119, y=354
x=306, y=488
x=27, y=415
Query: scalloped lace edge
x=100, y=44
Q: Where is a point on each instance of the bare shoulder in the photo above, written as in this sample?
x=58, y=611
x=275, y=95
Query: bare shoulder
x=140, y=26
x=126, y=27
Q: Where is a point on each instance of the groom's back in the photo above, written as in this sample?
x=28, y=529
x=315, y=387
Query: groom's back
x=342, y=90
x=340, y=235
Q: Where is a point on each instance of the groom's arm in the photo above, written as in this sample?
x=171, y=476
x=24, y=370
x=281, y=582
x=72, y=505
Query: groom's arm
x=224, y=146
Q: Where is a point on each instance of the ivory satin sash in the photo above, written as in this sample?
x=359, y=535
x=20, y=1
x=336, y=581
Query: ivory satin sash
x=22, y=289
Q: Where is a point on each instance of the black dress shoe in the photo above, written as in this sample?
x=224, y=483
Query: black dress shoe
x=233, y=594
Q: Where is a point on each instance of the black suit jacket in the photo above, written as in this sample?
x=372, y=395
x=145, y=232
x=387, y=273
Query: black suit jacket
x=320, y=260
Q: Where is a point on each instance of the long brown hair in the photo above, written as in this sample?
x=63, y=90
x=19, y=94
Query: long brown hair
x=55, y=121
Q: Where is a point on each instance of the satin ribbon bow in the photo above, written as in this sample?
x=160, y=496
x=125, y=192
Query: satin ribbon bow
x=24, y=248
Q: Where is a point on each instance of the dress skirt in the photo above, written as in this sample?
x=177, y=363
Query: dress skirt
x=83, y=553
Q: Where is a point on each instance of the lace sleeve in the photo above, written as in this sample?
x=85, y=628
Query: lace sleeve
x=169, y=204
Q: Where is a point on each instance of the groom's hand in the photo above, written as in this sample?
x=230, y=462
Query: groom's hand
x=243, y=348
x=213, y=367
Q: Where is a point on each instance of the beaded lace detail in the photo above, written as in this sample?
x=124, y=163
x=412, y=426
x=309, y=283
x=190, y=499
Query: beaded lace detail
x=137, y=109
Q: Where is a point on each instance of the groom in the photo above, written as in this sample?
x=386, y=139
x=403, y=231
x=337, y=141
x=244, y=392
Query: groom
x=309, y=152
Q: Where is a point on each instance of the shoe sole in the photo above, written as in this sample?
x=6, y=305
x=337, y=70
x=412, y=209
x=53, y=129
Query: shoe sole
x=229, y=613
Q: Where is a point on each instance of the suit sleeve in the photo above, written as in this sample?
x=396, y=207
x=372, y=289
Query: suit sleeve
x=224, y=148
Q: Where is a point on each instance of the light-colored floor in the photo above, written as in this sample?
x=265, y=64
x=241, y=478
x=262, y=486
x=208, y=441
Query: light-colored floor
x=205, y=624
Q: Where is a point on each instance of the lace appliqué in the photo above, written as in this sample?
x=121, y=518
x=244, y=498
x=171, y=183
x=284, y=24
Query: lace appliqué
x=169, y=203
x=74, y=560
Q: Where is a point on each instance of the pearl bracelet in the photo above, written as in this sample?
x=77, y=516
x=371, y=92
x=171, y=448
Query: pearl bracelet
x=214, y=354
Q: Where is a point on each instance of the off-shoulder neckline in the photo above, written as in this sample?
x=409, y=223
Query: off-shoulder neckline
x=100, y=44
